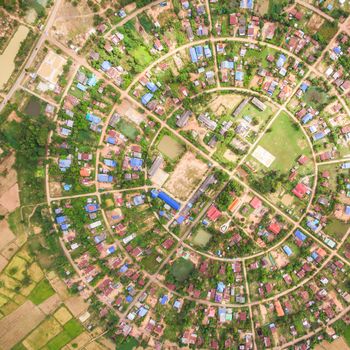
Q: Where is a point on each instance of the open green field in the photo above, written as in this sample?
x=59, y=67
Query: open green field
x=336, y=228
x=315, y=97
x=181, y=269
x=170, y=147
x=256, y=115
x=201, y=238
x=41, y=292
x=128, y=129
x=286, y=142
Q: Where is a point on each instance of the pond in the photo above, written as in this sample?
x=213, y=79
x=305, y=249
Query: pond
x=7, y=59
x=170, y=147
x=33, y=107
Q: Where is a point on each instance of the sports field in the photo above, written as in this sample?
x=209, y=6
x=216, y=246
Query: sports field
x=286, y=142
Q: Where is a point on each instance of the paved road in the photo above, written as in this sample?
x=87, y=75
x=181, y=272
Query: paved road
x=31, y=58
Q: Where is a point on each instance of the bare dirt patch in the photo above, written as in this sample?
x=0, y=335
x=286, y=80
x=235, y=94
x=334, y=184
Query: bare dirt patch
x=76, y=305
x=280, y=259
x=10, y=250
x=6, y=236
x=187, y=174
x=81, y=340
x=9, y=198
x=335, y=345
x=59, y=287
x=73, y=23
x=127, y=109
x=62, y=315
x=19, y=323
x=221, y=103
x=50, y=304
x=315, y=23
x=3, y=263
x=262, y=7
x=55, y=189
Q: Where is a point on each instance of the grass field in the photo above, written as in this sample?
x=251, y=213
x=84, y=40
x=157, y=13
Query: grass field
x=181, y=269
x=170, y=147
x=128, y=130
x=201, y=238
x=336, y=228
x=41, y=292
x=286, y=142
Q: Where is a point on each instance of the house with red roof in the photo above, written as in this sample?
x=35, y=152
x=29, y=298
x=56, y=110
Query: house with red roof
x=255, y=203
x=275, y=228
x=300, y=190
x=213, y=213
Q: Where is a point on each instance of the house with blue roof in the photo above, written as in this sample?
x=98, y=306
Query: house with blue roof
x=312, y=224
x=110, y=162
x=180, y=219
x=111, y=249
x=64, y=227
x=111, y=140
x=207, y=51
x=145, y=99
x=106, y=65
x=129, y=299
x=287, y=250
x=347, y=210
x=220, y=287
x=199, y=51
x=104, y=178
x=151, y=86
x=65, y=132
x=227, y=65
x=337, y=50
x=93, y=118
x=64, y=164
x=124, y=268
x=246, y=4
x=177, y=304
x=136, y=163
x=239, y=76
x=92, y=81
x=306, y=118
x=194, y=58
x=163, y=300
x=345, y=165
x=281, y=61
x=142, y=312
x=81, y=87
x=304, y=86
x=61, y=219
x=318, y=136
x=166, y=198
x=298, y=234
x=138, y=200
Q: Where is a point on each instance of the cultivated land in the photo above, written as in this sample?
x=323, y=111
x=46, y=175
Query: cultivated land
x=174, y=173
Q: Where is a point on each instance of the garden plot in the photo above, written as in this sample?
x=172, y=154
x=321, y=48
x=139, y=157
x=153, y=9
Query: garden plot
x=187, y=174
